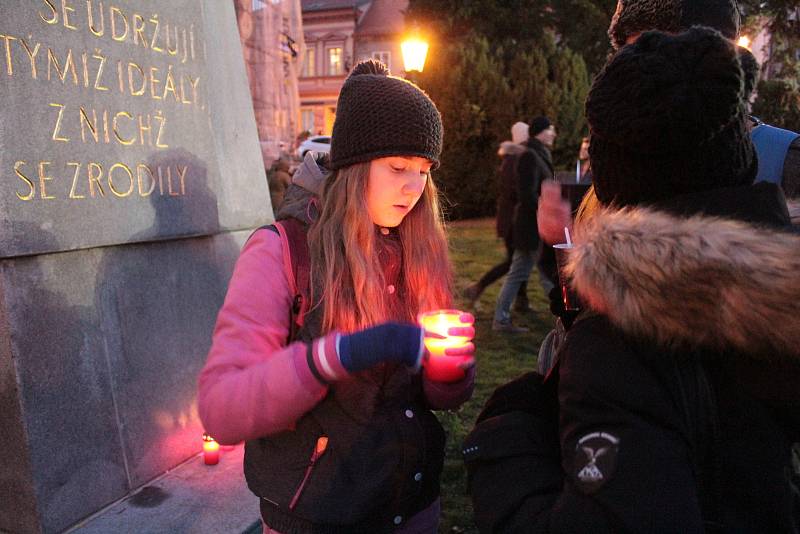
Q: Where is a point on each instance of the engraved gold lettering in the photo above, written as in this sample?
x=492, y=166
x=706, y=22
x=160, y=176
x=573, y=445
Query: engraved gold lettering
x=57, y=128
x=183, y=92
x=54, y=13
x=191, y=40
x=95, y=179
x=182, y=176
x=90, y=124
x=160, y=182
x=90, y=17
x=140, y=170
x=65, y=11
x=114, y=35
x=111, y=181
x=169, y=85
x=194, y=82
x=153, y=82
x=185, y=47
x=85, y=61
x=31, y=187
x=171, y=51
x=43, y=179
x=9, y=64
x=121, y=139
x=138, y=30
x=153, y=45
x=97, y=55
x=69, y=65
x=119, y=77
x=162, y=122
x=31, y=55
x=143, y=129
x=105, y=127
x=169, y=183
x=72, y=193
x=142, y=88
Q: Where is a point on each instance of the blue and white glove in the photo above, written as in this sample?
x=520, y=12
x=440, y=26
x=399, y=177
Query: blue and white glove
x=333, y=357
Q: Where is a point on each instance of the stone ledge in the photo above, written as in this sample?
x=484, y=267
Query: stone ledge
x=191, y=498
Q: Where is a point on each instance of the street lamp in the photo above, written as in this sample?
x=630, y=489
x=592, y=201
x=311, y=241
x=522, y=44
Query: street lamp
x=744, y=42
x=414, y=52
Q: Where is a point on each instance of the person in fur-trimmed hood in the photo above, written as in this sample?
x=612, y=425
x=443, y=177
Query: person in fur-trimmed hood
x=677, y=384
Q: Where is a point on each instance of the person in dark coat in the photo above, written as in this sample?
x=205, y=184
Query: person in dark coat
x=510, y=152
x=676, y=387
x=534, y=166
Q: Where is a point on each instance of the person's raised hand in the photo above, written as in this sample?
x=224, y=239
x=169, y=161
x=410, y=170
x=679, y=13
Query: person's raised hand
x=554, y=213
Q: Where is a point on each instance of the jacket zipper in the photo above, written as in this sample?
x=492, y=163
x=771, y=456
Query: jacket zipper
x=319, y=450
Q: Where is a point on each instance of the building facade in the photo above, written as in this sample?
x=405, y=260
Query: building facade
x=339, y=33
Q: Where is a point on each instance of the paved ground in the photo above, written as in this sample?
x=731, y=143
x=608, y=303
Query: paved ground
x=193, y=498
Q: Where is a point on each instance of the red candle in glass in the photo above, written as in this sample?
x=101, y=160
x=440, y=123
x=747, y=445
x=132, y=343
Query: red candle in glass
x=210, y=450
x=439, y=366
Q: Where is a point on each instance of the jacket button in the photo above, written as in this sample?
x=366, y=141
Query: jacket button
x=418, y=477
x=398, y=519
x=390, y=289
x=409, y=414
x=385, y=231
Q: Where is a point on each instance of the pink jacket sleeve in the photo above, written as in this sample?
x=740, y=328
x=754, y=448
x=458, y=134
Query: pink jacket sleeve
x=253, y=385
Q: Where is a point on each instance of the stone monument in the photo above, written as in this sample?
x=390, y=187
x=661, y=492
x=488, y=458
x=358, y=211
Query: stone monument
x=131, y=175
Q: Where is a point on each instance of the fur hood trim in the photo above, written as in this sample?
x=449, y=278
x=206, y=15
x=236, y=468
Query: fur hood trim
x=699, y=281
x=509, y=148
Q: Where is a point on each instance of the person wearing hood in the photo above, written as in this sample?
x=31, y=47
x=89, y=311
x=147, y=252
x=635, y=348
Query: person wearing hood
x=316, y=352
x=535, y=165
x=676, y=387
x=509, y=153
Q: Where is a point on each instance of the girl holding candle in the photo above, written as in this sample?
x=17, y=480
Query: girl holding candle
x=325, y=390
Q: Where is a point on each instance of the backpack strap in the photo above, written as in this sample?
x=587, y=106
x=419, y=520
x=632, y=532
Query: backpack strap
x=297, y=266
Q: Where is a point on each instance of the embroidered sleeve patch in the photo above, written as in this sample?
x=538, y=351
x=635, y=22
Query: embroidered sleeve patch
x=595, y=460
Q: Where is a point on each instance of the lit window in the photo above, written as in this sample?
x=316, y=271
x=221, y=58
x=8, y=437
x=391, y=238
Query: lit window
x=309, y=65
x=307, y=120
x=334, y=61
x=383, y=56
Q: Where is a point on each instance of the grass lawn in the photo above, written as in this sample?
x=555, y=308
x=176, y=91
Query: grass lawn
x=501, y=357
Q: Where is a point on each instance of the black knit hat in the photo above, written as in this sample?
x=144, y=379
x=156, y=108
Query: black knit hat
x=673, y=16
x=538, y=125
x=667, y=117
x=379, y=115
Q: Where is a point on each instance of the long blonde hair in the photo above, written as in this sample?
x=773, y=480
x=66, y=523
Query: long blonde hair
x=344, y=259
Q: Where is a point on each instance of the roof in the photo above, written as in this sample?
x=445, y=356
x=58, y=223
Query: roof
x=384, y=17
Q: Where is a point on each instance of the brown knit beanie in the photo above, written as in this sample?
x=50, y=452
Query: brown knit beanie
x=667, y=117
x=672, y=16
x=379, y=115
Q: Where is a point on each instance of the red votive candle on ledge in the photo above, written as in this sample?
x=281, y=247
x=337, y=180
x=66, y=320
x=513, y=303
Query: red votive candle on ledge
x=440, y=366
x=210, y=450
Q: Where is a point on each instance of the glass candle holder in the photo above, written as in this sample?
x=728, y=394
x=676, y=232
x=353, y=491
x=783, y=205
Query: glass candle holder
x=439, y=366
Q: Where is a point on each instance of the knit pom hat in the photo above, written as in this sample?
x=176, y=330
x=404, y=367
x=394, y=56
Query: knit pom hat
x=673, y=16
x=379, y=115
x=667, y=117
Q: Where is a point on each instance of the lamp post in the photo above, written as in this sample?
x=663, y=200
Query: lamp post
x=415, y=50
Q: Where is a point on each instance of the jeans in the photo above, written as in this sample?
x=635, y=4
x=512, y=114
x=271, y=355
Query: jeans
x=499, y=270
x=522, y=262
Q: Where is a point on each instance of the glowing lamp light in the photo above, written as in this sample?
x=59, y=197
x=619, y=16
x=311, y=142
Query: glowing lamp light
x=415, y=50
x=440, y=366
x=744, y=42
x=210, y=450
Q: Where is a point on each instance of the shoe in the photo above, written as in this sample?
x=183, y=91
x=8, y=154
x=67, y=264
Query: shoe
x=509, y=328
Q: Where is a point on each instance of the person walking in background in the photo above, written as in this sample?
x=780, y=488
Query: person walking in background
x=315, y=355
x=509, y=153
x=535, y=165
x=675, y=392
x=584, y=165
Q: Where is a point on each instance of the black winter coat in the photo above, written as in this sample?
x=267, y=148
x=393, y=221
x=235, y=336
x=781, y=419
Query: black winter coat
x=678, y=404
x=535, y=165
